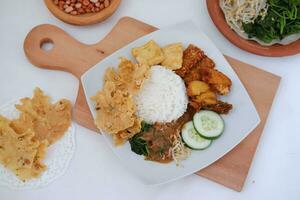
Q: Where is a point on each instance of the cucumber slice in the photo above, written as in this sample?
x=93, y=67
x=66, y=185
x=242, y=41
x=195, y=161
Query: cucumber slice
x=208, y=124
x=192, y=139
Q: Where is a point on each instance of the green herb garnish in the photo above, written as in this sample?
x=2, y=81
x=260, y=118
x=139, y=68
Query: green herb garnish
x=282, y=19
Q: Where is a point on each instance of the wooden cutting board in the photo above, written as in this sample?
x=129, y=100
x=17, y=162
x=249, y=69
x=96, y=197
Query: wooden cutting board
x=72, y=56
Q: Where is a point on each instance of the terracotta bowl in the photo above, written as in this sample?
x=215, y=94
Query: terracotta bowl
x=84, y=19
x=276, y=50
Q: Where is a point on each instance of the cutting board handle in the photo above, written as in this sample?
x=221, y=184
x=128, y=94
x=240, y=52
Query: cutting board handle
x=65, y=49
x=72, y=56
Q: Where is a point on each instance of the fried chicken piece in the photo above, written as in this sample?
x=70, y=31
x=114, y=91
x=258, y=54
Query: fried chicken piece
x=203, y=81
x=191, y=56
x=210, y=104
x=219, y=107
x=194, y=72
x=201, y=96
x=193, y=104
x=192, y=75
x=205, y=62
x=206, y=98
x=195, y=88
x=199, y=92
x=218, y=81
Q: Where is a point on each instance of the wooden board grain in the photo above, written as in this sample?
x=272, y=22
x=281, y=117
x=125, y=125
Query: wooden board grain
x=72, y=56
x=232, y=169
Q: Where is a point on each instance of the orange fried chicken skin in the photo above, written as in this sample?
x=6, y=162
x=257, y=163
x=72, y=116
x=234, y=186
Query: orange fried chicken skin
x=218, y=81
x=205, y=62
x=203, y=81
x=218, y=107
x=191, y=56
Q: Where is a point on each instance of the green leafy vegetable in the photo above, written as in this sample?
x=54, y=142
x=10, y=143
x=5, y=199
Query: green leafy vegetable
x=137, y=143
x=145, y=126
x=282, y=19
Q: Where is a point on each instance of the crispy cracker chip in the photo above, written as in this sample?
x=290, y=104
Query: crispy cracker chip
x=173, y=56
x=131, y=131
x=114, y=103
x=21, y=152
x=115, y=109
x=48, y=121
x=122, y=136
x=149, y=54
x=132, y=75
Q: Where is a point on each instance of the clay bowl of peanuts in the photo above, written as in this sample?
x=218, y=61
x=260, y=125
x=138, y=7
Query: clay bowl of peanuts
x=82, y=12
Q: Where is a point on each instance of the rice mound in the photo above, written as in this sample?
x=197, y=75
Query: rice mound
x=163, y=96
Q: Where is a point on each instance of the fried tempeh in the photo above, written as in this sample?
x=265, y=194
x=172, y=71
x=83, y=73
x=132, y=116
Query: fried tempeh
x=173, y=56
x=149, y=54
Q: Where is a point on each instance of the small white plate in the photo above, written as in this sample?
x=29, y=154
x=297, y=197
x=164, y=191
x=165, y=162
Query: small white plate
x=238, y=123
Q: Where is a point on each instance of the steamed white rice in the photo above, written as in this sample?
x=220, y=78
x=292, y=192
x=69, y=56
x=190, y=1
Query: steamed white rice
x=163, y=96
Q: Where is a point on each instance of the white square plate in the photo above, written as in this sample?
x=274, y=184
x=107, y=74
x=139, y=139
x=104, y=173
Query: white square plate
x=238, y=123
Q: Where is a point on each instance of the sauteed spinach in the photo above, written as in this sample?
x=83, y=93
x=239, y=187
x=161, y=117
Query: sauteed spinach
x=282, y=19
x=138, y=144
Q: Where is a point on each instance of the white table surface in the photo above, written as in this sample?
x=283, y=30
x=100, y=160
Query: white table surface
x=274, y=173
